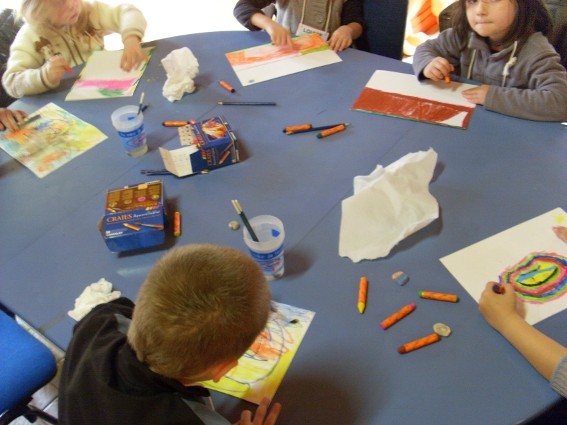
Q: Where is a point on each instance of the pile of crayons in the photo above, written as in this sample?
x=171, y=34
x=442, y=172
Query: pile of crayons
x=440, y=329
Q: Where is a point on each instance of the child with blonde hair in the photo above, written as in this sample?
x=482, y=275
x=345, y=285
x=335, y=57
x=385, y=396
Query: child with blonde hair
x=59, y=34
x=199, y=309
x=501, y=44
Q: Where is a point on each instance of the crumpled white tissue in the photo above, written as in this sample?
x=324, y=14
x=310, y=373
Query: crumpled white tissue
x=387, y=206
x=181, y=67
x=94, y=294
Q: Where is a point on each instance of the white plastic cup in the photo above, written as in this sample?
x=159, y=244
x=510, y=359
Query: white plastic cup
x=269, y=251
x=130, y=127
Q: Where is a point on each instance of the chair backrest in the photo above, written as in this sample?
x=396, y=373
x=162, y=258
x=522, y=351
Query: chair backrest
x=557, y=10
x=384, y=27
x=26, y=364
x=9, y=27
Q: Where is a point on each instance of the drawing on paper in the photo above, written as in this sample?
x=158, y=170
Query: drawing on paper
x=263, y=366
x=538, y=278
x=403, y=96
x=529, y=255
x=51, y=141
x=102, y=77
x=266, y=62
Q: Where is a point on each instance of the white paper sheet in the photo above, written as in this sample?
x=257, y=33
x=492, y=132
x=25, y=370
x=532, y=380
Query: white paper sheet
x=485, y=261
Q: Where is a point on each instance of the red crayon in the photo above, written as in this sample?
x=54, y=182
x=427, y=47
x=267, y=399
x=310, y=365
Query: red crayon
x=418, y=343
x=397, y=316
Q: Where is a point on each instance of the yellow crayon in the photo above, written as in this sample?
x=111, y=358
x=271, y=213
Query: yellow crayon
x=362, y=294
x=418, y=343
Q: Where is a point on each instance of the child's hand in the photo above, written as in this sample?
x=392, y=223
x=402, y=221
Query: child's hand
x=55, y=68
x=279, y=35
x=561, y=232
x=260, y=417
x=341, y=38
x=497, y=308
x=133, y=55
x=476, y=95
x=9, y=119
x=438, y=69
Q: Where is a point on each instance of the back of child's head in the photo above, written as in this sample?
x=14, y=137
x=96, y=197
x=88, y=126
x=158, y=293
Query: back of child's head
x=532, y=16
x=199, y=305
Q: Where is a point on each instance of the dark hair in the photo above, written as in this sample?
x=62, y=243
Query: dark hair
x=532, y=16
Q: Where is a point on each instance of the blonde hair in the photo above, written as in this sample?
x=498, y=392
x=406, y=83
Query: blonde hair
x=199, y=305
x=37, y=13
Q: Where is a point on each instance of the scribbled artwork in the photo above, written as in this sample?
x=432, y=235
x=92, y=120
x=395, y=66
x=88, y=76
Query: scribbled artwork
x=538, y=278
x=102, y=77
x=51, y=140
x=261, y=370
x=402, y=95
x=266, y=62
x=529, y=256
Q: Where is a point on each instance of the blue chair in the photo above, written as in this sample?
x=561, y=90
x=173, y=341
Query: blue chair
x=26, y=365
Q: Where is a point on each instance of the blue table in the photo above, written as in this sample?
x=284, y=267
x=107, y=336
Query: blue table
x=498, y=173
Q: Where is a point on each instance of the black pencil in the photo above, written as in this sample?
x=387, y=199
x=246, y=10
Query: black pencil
x=245, y=220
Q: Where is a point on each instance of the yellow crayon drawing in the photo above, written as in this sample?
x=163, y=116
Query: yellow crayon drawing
x=263, y=366
x=47, y=143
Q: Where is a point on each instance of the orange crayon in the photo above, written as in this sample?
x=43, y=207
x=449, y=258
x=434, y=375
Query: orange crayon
x=418, y=343
x=447, y=78
x=438, y=296
x=177, y=223
x=131, y=226
x=226, y=86
x=397, y=316
x=362, y=294
x=330, y=131
x=293, y=128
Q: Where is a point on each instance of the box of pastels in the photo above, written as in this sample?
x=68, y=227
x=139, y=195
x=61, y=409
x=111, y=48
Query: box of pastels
x=206, y=145
x=135, y=217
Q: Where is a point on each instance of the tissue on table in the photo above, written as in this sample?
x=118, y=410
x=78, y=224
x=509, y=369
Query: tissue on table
x=181, y=67
x=387, y=206
x=96, y=293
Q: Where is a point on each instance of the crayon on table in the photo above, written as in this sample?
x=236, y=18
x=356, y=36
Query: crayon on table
x=419, y=343
x=175, y=123
x=330, y=131
x=294, y=128
x=397, y=316
x=226, y=86
x=362, y=294
x=177, y=224
x=321, y=128
x=439, y=296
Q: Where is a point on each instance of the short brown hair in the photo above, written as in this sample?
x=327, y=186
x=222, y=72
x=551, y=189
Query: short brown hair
x=199, y=305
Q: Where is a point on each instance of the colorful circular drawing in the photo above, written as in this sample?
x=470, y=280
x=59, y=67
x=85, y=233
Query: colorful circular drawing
x=539, y=277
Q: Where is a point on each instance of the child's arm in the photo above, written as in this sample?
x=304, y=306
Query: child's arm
x=9, y=119
x=352, y=21
x=542, y=95
x=128, y=21
x=26, y=71
x=279, y=35
x=499, y=310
